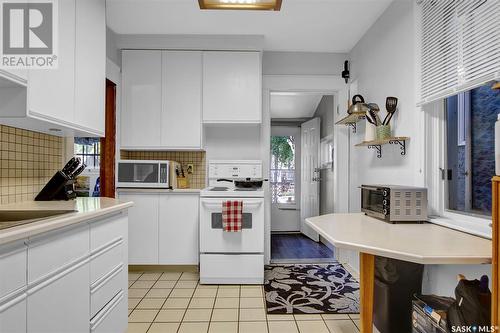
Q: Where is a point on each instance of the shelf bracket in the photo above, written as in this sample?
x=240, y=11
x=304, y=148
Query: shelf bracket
x=378, y=148
x=402, y=144
x=353, y=126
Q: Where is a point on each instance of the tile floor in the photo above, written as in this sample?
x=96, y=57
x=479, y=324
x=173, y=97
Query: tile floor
x=170, y=302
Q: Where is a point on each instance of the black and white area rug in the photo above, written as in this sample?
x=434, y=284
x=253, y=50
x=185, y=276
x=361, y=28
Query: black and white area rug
x=310, y=289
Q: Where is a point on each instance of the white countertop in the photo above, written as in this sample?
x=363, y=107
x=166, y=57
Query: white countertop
x=85, y=209
x=420, y=243
x=158, y=190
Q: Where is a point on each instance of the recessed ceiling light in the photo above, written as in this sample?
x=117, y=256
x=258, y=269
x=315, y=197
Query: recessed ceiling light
x=241, y=4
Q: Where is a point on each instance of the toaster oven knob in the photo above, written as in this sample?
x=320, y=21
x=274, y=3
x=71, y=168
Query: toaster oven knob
x=385, y=193
x=386, y=211
x=385, y=202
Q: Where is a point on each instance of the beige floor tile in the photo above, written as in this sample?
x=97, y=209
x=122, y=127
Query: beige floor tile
x=170, y=315
x=251, y=302
x=229, y=286
x=140, y=284
x=312, y=326
x=142, y=316
x=130, y=283
x=280, y=317
x=207, y=286
x=134, y=276
x=176, y=303
x=193, y=328
x=334, y=316
x=182, y=293
x=282, y=327
x=226, y=303
x=186, y=284
x=253, y=327
x=164, y=284
x=357, y=322
x=137, y=327
x=171, y=276
x=251, y=291
x=341, y=326
x=252, y=315
x=200, y=315
x=229, y=327
x=150, y=276
x=130, y=311
x=228, y=292
x=151, y=303
x=137, y=293
x=308, y=317
x=164, y=328
x=190, y=276
x=205, y=293
x=225, y=315
x=201, y=303
x=132, y=302
x=158, y=293
x=355, y=316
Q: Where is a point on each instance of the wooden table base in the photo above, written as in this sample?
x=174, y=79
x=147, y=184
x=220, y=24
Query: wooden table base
x=366, y=285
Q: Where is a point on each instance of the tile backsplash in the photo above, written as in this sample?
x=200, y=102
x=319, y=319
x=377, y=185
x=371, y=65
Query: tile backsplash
x=197, y=158
x=28, y=160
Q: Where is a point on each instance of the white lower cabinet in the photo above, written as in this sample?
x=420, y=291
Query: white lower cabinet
x=163, y=228
x=178, y=229
x=61, y=304
x=68, y=280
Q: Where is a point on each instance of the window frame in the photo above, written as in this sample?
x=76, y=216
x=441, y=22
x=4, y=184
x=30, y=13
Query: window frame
x=292, y=205
x=435, y=163
x=96, y=156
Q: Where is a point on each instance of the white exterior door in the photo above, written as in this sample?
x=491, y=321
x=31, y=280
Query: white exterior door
x=309, y=182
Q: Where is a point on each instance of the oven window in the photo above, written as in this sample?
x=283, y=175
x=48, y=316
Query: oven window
x=246, y=222
x=373, y=200
x=138, y=173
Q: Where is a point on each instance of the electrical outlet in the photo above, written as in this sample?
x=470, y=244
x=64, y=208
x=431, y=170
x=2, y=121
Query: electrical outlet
x=190, y=168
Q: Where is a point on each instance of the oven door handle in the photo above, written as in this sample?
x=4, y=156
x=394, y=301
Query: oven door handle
x=249, y=205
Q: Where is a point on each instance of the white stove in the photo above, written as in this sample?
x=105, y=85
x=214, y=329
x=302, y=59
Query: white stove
x=232, y=257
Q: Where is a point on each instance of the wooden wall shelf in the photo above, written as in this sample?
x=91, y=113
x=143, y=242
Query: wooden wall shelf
x=377, y=144
x=351, y=120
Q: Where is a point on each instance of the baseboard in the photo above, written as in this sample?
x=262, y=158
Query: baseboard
x=163, y=268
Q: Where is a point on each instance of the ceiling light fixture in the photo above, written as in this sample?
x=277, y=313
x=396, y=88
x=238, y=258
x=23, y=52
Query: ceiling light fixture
x=241, y=4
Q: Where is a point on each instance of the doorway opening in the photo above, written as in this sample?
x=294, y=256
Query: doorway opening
x=301, y=174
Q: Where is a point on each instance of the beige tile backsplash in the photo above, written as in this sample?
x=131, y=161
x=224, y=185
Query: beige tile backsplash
x=28, y=160
x=197, y=158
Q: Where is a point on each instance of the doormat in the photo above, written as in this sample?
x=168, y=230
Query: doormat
x=310, y=289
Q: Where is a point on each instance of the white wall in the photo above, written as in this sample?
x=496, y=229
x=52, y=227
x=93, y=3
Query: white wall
x=383, y=64
x=302, y=63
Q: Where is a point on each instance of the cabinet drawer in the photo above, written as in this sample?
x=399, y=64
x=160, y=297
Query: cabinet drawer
x=112, y=318
x=104, y=260
x=103, y=290
x=13, y=315
x=12, y=267
x=52, y=251
x=106, y=231
x=231, y=269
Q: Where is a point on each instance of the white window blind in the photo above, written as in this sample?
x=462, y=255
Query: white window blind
x=460, y=46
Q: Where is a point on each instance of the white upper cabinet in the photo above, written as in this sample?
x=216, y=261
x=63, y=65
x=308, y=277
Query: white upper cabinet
x=161, y=100
x=181, y=116
x=51, y=92
x=142, y=101
x=232, y=87
x=90, y=65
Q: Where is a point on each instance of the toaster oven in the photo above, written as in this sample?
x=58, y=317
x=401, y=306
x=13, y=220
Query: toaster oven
x=394, y=203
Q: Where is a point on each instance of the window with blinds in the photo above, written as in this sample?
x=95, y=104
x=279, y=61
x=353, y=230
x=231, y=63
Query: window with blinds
x=460, y=46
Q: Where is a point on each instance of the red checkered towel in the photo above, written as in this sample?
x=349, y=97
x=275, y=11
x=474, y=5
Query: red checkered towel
x=232, y=215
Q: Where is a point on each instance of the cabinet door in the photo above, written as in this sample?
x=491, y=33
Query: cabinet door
x=13, y=316
x=90, y=65
x=178, y=229
x=62, y=304
x=141, y=93
x=232, y=87
x=142, y=228
x=51, y=91
x=181, y=116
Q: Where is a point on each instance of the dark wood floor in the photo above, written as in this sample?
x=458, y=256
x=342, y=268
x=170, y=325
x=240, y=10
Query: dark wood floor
x=297, y=246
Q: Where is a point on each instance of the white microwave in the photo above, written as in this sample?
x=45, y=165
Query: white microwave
x=144, y=173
